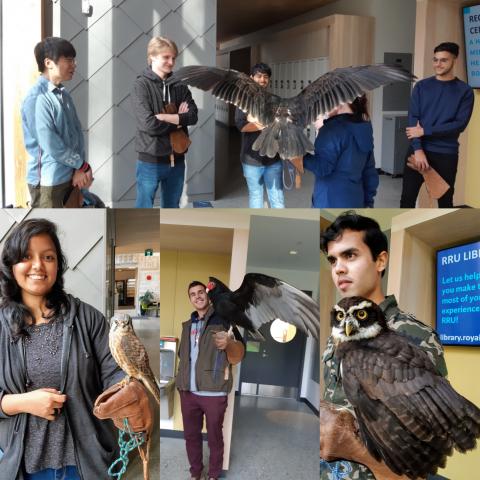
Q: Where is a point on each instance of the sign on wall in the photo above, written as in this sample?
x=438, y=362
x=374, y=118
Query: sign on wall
x=471, y=21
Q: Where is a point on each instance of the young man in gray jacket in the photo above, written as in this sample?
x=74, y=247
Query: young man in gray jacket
x=158, y=163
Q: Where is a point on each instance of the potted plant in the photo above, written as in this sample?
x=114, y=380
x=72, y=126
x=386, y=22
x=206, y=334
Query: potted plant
x=145, y=301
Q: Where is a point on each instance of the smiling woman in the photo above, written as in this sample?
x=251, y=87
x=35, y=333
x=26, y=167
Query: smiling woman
x=56, y=362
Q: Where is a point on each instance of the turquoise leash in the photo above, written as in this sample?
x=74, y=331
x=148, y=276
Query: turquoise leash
x=126, y=446
x=334, y=468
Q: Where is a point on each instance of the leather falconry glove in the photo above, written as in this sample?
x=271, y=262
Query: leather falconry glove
x=128, y=401
x=339, y=439
x=178, y=138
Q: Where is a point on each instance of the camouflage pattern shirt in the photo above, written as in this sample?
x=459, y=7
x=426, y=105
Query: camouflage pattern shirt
x=417, y=333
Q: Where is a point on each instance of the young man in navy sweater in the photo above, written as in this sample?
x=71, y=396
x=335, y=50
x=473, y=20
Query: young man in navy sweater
x=440, y=109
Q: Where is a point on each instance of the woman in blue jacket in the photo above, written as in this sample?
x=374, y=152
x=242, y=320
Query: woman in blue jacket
x=343, y=162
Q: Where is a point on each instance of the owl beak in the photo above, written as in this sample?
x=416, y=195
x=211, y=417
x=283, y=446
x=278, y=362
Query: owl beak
x=349, y=327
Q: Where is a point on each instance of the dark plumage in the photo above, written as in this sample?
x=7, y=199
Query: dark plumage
x=286, y=118
x=261, y=299
x=408, y=414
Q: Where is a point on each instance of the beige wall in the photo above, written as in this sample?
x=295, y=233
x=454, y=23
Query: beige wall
x=416, y=236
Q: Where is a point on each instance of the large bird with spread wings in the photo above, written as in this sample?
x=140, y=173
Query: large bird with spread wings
x=261, y=299
x=408, y=415
x=286, y=118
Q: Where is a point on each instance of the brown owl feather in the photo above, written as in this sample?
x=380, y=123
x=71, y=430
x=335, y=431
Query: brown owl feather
x=408, y=414
x=130, y=354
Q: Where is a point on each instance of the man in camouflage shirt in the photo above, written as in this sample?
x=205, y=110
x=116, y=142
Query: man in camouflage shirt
x=357, y=251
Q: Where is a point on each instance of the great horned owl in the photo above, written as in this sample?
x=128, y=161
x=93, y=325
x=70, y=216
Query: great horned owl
x=130, y=354
x=409, y=416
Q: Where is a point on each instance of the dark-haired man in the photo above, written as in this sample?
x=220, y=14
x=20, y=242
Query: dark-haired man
x=357, y=251
x=204, y=379
x=52, y=132
x=440, y=109
x=258, y=170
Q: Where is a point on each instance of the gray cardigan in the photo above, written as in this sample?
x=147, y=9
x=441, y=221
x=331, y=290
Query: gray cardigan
x=87, y=369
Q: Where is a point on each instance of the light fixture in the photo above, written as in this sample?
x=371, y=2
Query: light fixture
x=293, y=252
x=281, y=331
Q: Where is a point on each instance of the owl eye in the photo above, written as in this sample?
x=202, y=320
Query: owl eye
x=361, y=314
x=340, y=316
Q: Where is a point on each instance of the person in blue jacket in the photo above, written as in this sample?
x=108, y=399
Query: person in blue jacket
x=343, y=162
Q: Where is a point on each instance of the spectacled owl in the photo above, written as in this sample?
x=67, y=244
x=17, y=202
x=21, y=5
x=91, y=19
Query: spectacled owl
x=409, y=416
x=130, y=354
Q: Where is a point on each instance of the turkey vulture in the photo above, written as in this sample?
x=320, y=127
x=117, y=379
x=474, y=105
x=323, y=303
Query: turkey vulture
x=409, y=416
x=286, y=118
x=261, y=299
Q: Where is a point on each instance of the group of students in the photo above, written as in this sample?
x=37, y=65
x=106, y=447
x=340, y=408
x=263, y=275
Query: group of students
x=344, y=165
x=343, y=161
x=53, y=133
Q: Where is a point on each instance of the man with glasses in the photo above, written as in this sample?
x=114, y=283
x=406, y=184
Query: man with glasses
x=52, y=132
x=440, y=109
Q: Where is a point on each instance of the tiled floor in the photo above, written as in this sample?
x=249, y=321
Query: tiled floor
x=232, y=192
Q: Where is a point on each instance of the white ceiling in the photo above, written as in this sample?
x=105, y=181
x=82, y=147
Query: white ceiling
x=271, y=239
x=272, y=235
x=236, y=18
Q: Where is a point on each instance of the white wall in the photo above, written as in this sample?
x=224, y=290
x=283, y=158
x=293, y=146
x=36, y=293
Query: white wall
x=84, y=248
x=111, y=51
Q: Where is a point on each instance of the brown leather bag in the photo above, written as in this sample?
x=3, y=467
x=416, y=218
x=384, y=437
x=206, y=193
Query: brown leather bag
x=74, y=199
x=178, y=139
x=128, y=401
x=434, y=182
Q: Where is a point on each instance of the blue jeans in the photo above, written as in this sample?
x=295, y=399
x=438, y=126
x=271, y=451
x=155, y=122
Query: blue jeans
x=271, y=177
x=150, y=175
x=66, y=473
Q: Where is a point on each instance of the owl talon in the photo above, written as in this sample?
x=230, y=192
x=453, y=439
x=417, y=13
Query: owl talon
x=125, y=381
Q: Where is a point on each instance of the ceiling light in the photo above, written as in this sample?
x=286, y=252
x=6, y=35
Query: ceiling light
x=293, y=252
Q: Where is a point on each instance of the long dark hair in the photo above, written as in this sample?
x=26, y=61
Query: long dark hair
x=360, y=108
x=14, y=250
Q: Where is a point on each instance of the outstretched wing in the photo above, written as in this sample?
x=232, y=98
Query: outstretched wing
x=343, y=85
x=231, y=87
x=264, y=298
x=409, y=416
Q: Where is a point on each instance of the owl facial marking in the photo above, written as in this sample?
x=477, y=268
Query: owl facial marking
x=349, y=324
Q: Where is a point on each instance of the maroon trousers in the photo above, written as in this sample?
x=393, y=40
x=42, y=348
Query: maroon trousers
x=194, y=407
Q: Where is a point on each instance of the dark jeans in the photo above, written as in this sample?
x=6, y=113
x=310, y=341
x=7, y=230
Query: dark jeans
x=445, y=164
x=194, y=407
